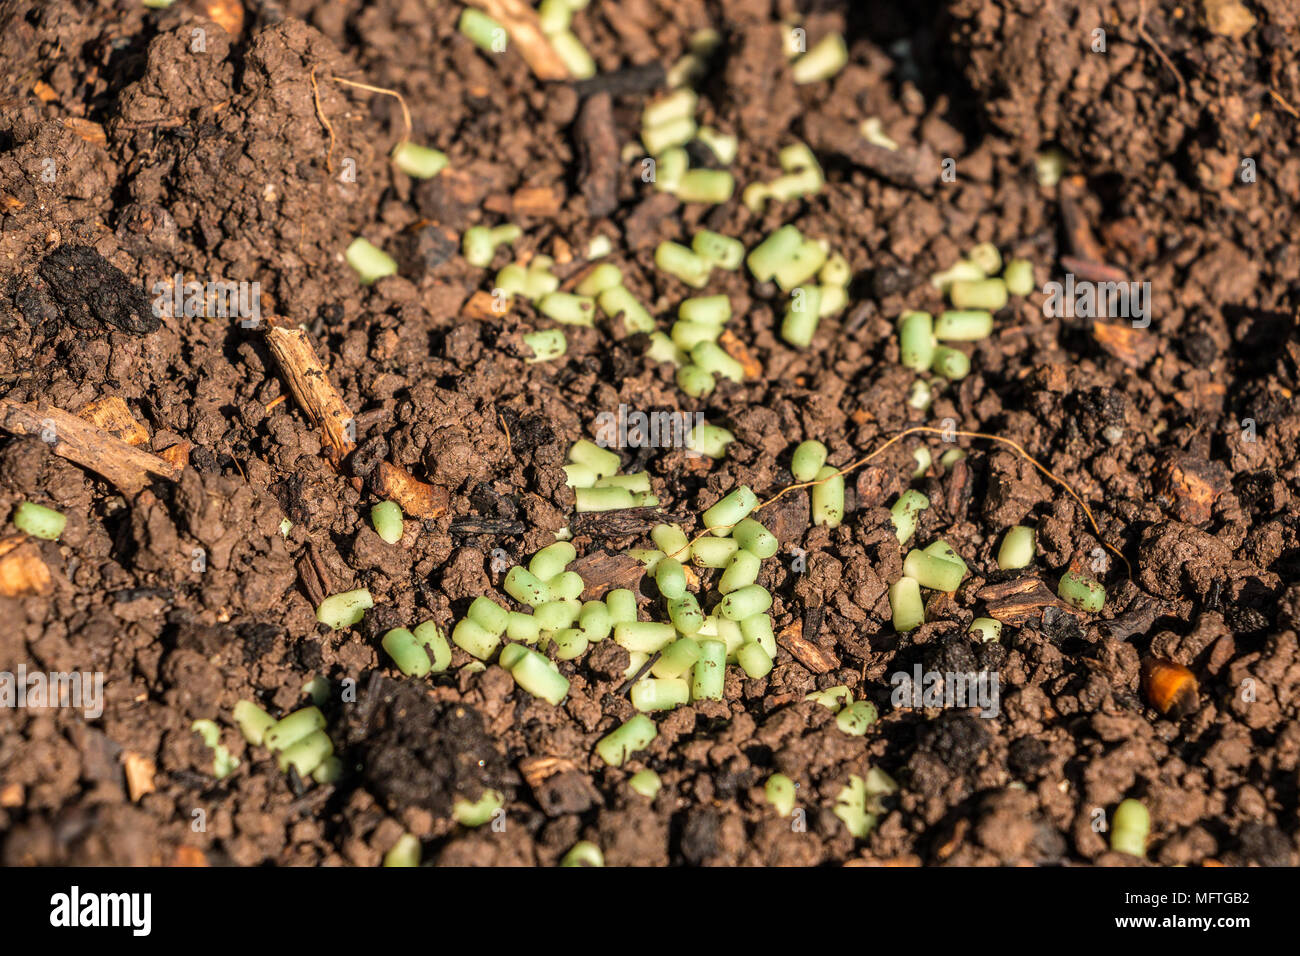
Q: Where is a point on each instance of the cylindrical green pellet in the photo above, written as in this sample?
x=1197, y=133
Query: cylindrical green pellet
x=489, y=615
x=722, y=251
x=474, y=639
x=39, y=521
x=602, y=461
x=807, y=460
x=923, y=461
x=710, y=310
x=635, y=734
x=745, y=602
x=670, y=166
x=755, y=539
x=765, y=258
x=525, y=587
x=916, y=340
x=370, y=262
x=725, y=630
x=523, y=627
x=418, y=162
x=480, y=28
x=962, y=269
x=568, y=308
x=670, y=576
x=569, y=643
x=713, y=552
x=677, y=658
x=695, y=381
x=712, y=186
x=407, y=653
x=905, y=602
x=662, y=350
x=405, y=852
x=343, y=610
x=620, y=301
x=780, y=793
x=551, y=560
x=554, y=615
x=802, y=316
x=595, y=620
x=253, y=722
x=709, y=675
x=1081, y=592
x=986, y=256
x=651, y=694
x=650, y=557
x=758, y=629
x=662, y=137
x=970, y=325
x=622, y=605
x=644, y=636
x=331, y=770
x=988, y=294
x=741, y=571
x=931, y=571
x=832, y=698
x=807, y=259
x=1017, y=550
x=583, y=853
x=307, y=754
x=951, y=457
x=546, y=345
x=710, y=440
x=434, y=641
x=602, y=499
x=754, y=660
x=534, y=673
x=686, y=335
x=1130, y=828
x=1019, y=277
x=645, y=782
x=671, y=540
x=477, y=246
x=294, y=727
x=685, y=614
x=679, y=261
x=566, y=586
x=905, y=513
x=730, y=511
x=604, y=276
x=920, y=396
x=711, y=357
x=836, y=271
x=952, y=364
x=986, y=629
x=511, y=655
x=942, y=549
x=856, y=718
x=677, y=104
x=828, y=497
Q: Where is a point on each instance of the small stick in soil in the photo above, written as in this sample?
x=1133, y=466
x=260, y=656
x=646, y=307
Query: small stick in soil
x=406, y=113
x=624, y=81
x=598, y=147
x=419, y=500
x=641, y=672
x=324, y=120
x=312, y=389
x=131, y=469
x=910, y=168
x=520, y=21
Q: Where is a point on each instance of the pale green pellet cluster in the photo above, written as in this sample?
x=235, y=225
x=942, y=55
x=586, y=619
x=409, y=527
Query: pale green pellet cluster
x=801, y=176
x=699, y=325
x=976, y=292
x=592, y=473
x=667, y=125
x=479, y=243
x=298, y=739
x=852, y=717
x=860, y=803
x=791, y=260
x=554, y=18
x=937, y=567
x=418, y=652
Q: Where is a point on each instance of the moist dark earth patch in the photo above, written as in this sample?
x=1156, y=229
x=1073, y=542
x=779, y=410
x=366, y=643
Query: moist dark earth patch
x=216, y=165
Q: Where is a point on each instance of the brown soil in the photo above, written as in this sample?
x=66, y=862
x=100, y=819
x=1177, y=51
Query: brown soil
x=217, y=165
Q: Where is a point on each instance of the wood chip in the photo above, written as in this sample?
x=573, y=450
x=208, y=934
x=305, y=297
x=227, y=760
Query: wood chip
x=419, y=500
x=189, y=856
x=227, y=14
x=1194, y=484
x=12, y=795
x=816, y=659
x=111, y=414
x=1134, y=347
x=481, y=307
x=739, y=351
x=1021, y=601
x=520, y=21
x=44, y=92
x=139, y=775
x=604, y=571
x=536, y=770
x=129, y=468
x=312, y=389
x=90, y=131
x=537, y=202
x=22, y=569
x=178, y=454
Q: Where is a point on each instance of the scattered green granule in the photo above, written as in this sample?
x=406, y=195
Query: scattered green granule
x=1129, y=828
x=419, y=162
x=832, y=698
x=39, y=521
x=300, y=741
x=802, y=176
x=386, y=516
x=480, y=811
x=420, y=652
x=1017, y=550
x=646, y=783
x=822, y=62
x=253, y=722
x=405, y=852
x=223, y=763
x=633, y=735
x=369, y=261
x=344, y=610
x=546, y=345
x=780, y=793
x=479, y=243
x=906, y=513
x=860, y=803
x=583, y=853
x=986, y=630
x=1081, y=592
x=828, y=497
